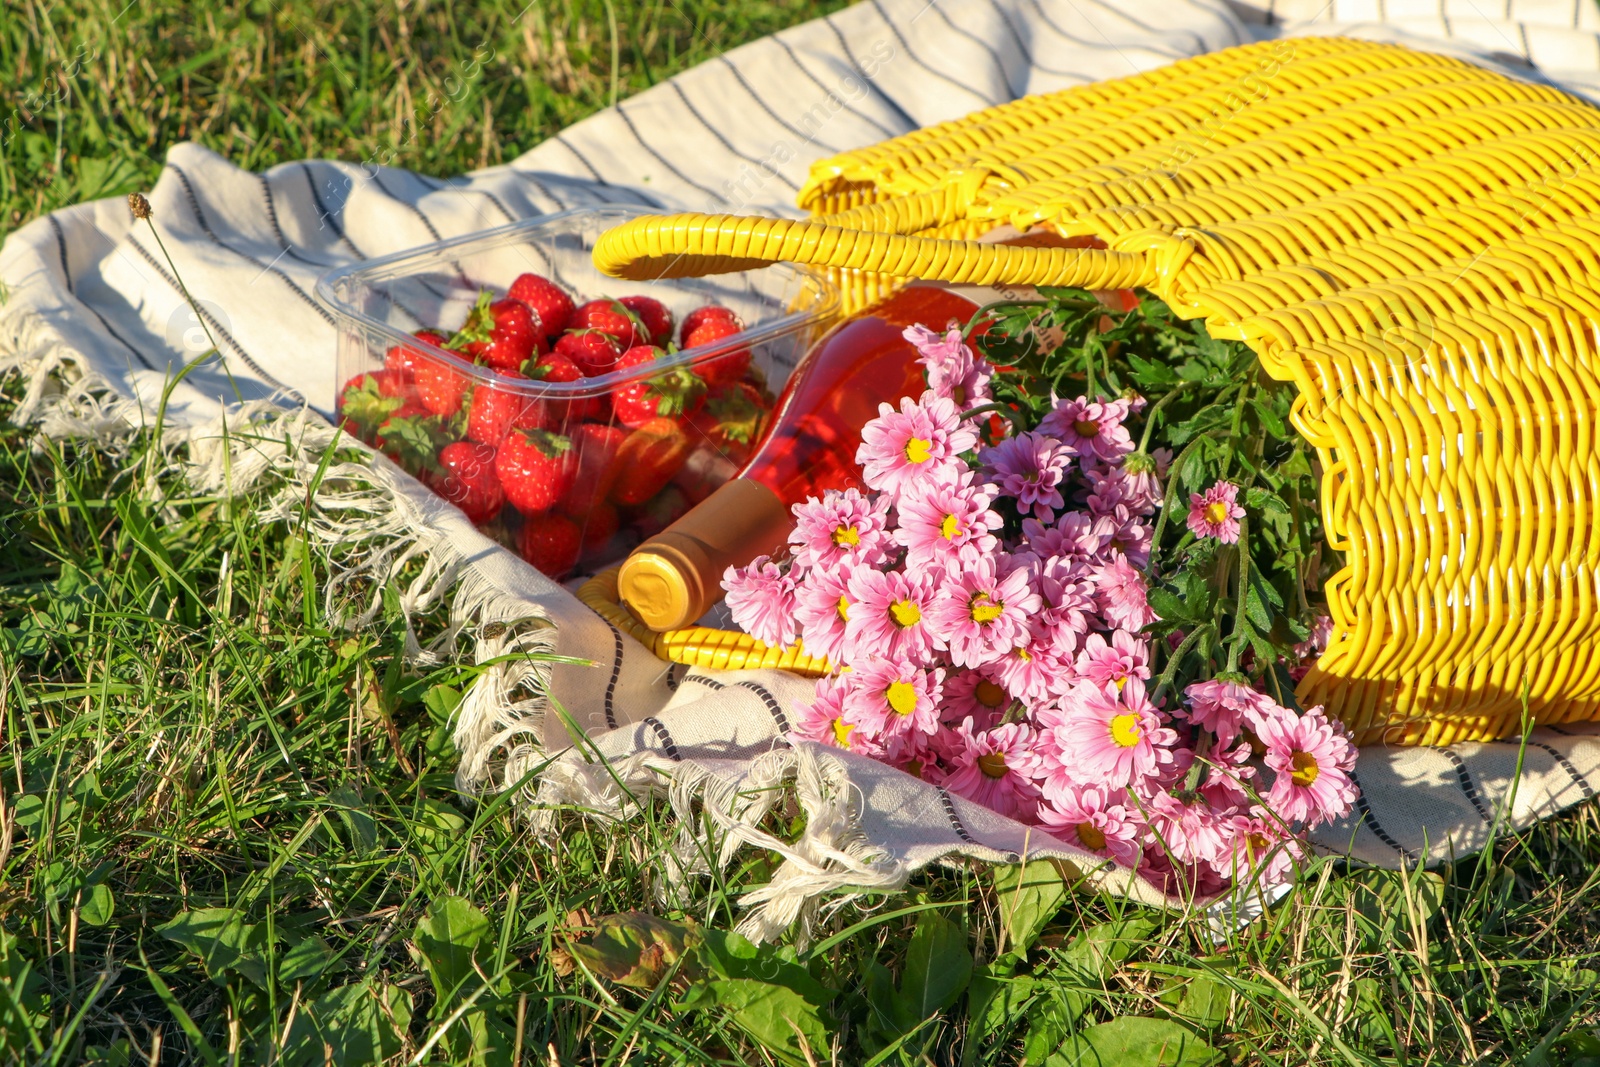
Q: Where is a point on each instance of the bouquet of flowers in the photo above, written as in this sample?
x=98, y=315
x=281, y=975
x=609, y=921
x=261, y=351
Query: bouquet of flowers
x=985, y=605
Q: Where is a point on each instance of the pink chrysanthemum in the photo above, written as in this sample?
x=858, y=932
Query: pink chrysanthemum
x=1313, y=760
x=1216, y=513
x=970, y=694
x=981, y=612
x=1113, y=663
x=761, y=601
x=1227, y=782
x=1140, y=483
x=823, y=721
x=1068, y=596
x=888, y=616
x=822, y=608
x=1120, y=591
x=1092, y=429
x=953, y=370
x=891, y=699
x=1197, y=881
x=1219, y=705
x=1258, y=849
x=842, y=528
x=1186, y=826
x=1030, y=469
x=1116, y=741
x=1097, y=819
x=923, y=441
x=1075, y=537
x=948, y=523
x=1126, y=533
x=993, y=768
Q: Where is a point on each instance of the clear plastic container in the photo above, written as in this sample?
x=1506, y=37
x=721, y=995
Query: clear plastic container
x=608, y=480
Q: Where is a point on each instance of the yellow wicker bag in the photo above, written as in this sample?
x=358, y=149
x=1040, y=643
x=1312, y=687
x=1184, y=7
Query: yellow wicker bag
x=1409, y=238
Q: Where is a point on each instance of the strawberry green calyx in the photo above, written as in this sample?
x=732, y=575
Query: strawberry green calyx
x=552, y=445
x=675, y=391
x=414, y=442
x=736, y=415
x=479, y=325
x=365, y=404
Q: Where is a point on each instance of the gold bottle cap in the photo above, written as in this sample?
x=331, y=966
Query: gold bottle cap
x=676, y=576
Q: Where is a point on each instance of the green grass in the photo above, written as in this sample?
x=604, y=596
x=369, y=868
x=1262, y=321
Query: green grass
x=228, y=833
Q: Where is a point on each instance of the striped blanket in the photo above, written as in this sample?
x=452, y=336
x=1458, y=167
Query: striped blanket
x=96, y=323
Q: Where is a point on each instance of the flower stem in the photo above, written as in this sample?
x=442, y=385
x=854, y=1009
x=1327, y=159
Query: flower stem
x=1150, y=416
x=1236, y=642
x=1170, y=671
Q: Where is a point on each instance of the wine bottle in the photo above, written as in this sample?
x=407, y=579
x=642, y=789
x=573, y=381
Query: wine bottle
x=674, y=577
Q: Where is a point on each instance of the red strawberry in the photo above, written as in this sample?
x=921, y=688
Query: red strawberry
x=366, y=400
x=610, y=316
x=536, y=468
x=726, y=367
x=732, y=419
x=494, y=411
x=671, y=393
x=648, y=459
x=556, y=367
x=702, y=315
x=441, y=385
x=599, y=526
x=594, y=351
x=597, y=448
x=469, y=480
x=652, y=315
x=551, y=543
x=404, y=358
x=547, y=299
x=502, y=333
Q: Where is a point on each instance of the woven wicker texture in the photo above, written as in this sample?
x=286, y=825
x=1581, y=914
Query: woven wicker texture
x=1408, y=238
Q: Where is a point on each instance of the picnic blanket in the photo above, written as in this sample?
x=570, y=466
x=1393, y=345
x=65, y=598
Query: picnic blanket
x=96, y=325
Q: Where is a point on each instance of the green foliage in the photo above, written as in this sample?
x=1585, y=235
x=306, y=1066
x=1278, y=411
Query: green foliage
x=1217, y=417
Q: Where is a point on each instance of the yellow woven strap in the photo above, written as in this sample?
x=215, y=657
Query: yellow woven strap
x=682, y=246
x=697, y=646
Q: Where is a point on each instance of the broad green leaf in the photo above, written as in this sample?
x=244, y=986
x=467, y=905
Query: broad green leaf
x=730, y=955
x=447, y=937
x=1167, y=606
x=1100, y=948
x=994, y=998
x=222, y=940
x=308, y=958
x=95, y=905
x=765, y=1011
x=1204, y=1003
x=437, y=830
x=637, y=949
x=1134, y=1041
x=359, y=1023
x=1029, y=895
x=1050, y=1020
x=937, y=969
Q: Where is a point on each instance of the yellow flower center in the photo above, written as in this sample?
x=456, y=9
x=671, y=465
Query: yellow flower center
x=1125, y=729
x=1022, y=654
x=949, y=527
x=905, y=613
x=902, y=697
x=988, y=694
x=919, y=450
x=841, y=732
x=1216, y=513
x=1090, y=837
x=993, y=764
x=1305, y=768
x=985, y=610
x=846, y=536
x=1121, y=682
x=844, y=609
x=1256, y=844
x=1086, y=428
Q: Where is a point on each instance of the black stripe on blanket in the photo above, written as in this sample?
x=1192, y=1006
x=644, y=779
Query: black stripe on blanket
x=907, y=122
x=217, y=329
x=1022, y=46
x=1464, y=780
x=436, y=185
x=1371, y=820
x=277, y=230
x=1566, y=765
x=205, y=226
x=773, y=707
x=759, y=163
x=779, y=119
x=663, y=160
x=72, y=290
x=949, y=807
x=616, y=673
x=666, y=738
x=935, y=71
